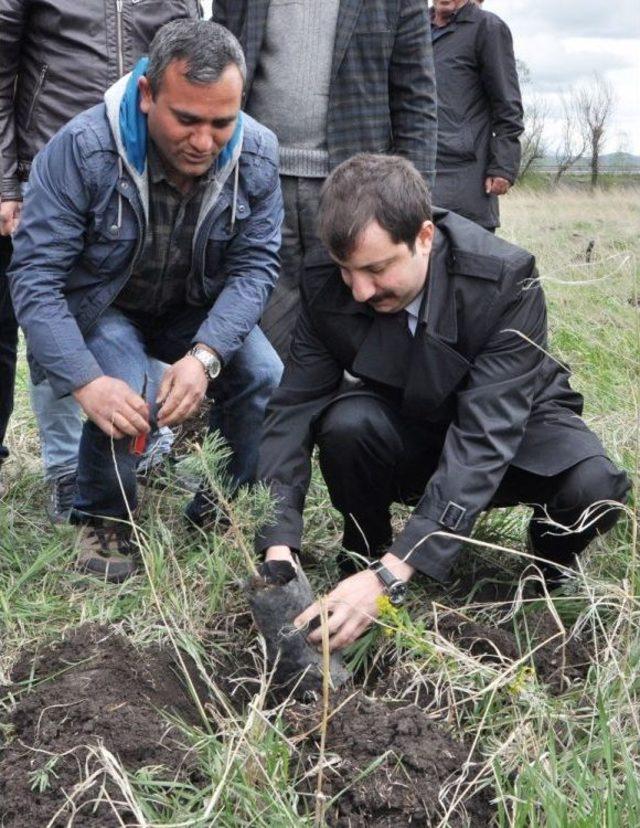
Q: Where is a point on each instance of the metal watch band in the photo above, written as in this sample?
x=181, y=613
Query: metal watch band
x=209, y=361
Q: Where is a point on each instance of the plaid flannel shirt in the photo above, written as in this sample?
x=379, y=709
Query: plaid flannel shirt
x=159, y=282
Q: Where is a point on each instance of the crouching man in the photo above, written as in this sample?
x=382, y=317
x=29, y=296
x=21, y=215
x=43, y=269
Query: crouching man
x=152, y=227
x=458, y=407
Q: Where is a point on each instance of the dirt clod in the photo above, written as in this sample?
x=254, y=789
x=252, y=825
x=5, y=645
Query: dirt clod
x=93, y=688
x=399, y=768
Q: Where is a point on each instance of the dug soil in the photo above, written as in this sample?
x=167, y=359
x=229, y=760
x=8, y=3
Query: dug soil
x=92, y=689
x=399, y=767
x=559, y=661
x=387, y=764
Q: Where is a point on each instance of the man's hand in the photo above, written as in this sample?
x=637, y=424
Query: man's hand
x=351, y=607
x=496, y=185
x=10, y=212
x=182, y=389
x=114, y=407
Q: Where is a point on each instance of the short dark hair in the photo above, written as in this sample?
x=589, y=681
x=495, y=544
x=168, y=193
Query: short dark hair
x=207, y=48
x=383, y=188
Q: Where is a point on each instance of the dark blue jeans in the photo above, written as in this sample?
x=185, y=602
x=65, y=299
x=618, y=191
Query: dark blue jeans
x=121, y=344
x=8, y=344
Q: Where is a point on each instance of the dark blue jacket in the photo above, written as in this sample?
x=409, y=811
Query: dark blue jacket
x=83, y=225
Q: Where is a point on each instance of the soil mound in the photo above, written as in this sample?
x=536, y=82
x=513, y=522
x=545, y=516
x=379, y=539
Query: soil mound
x=559, y=662
x=93, y=688
x=399, y=767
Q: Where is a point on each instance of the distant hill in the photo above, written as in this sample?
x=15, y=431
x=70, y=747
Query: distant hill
x=612, y=162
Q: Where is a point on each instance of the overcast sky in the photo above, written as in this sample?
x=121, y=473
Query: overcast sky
x=564, y=41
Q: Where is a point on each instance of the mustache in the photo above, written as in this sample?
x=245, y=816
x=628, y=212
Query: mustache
x=381, y=297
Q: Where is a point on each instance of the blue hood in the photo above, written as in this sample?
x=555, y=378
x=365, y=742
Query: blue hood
x=133, y=122
x=133, y=125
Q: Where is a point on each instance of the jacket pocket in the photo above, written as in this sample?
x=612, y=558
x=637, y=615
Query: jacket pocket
x=108, y=252
x=36, y=96
x=457, y=145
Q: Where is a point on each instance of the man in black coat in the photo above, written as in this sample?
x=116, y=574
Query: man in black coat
x=459, y=407
x=480, y=116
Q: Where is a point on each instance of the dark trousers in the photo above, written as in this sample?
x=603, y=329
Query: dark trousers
x=301, y=198
x=8, y=344
x=370, y=458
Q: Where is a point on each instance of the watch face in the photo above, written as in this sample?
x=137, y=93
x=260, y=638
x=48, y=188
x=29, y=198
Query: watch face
x=397, y=593
x=214, y=367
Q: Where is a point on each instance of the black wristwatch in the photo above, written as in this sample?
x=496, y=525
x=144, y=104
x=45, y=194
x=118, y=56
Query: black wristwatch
x=394, y=587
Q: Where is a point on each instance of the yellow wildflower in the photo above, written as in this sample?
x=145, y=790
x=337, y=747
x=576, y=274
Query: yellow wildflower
x=388, y=614
x=524, y=675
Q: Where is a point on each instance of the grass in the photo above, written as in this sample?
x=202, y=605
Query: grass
x=571, y=759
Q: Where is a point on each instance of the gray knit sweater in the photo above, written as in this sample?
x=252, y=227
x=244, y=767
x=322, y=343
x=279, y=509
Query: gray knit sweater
x=290, y=90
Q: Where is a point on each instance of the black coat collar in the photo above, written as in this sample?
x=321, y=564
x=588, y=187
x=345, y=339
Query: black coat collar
x=438, y=311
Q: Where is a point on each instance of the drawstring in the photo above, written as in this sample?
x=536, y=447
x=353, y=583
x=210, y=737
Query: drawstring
x=121, y=173
x=234, y=205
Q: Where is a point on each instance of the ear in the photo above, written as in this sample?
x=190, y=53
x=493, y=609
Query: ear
x=424, y=239
x=146, y=95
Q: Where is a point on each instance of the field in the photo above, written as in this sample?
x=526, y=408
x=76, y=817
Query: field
x=149, y=704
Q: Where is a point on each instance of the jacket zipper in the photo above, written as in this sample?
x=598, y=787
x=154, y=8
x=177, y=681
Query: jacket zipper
x=119, y=37
x=134, y=262
x=36, y=95
x=136, y=256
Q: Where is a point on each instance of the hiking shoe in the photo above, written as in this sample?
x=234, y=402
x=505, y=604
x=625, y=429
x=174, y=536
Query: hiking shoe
x=62, y=491
x=105, y=551
x=205, y=512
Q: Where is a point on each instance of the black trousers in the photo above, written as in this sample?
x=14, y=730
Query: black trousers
x=8, y=344
x=370, y=458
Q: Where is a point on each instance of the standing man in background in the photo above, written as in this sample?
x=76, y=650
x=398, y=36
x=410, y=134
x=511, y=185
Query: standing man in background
x=332, y=79
x=57, y=58
x=480, y=117
x=8, y=345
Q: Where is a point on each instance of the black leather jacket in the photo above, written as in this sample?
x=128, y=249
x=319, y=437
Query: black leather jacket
x=57, y=58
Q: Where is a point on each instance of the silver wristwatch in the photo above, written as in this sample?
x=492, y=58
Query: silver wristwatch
x=210, y=362
x=395, y=588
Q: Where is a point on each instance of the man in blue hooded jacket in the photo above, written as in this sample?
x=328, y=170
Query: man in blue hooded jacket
x=152, y=227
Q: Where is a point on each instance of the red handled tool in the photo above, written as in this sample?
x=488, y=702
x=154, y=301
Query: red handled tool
x=138, y=444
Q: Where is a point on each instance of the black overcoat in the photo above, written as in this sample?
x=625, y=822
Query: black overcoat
x=478, y=372
x=480, y=116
